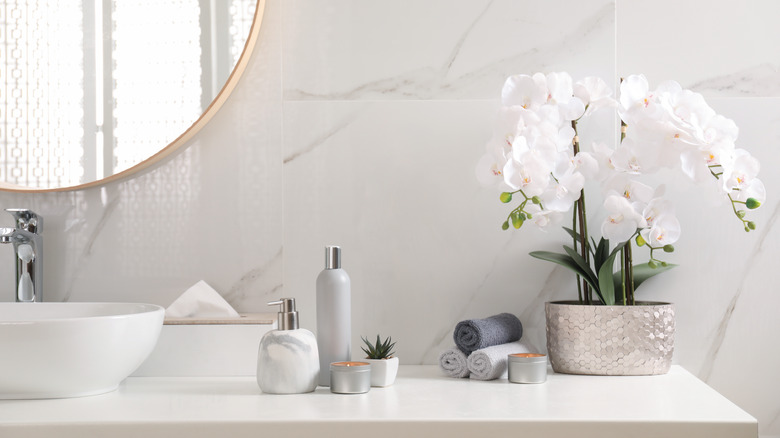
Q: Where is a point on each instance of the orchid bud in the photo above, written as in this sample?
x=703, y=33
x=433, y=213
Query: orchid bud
x=664, y=264
x=752, y=203
x=536, y=200
x=505, y=225
x=640, y=241
x=505, y=197
x=517, y=221
x=652, y=264
x=668, y=248
x=751, y=225
x=741, y=214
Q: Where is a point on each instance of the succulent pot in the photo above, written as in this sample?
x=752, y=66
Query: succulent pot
x=610, y=340
x=383, y=371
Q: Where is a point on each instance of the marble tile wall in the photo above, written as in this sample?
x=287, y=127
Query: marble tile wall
x=359, y=124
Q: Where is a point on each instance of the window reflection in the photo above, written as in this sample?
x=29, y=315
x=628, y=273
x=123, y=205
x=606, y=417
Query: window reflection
x=89, y=88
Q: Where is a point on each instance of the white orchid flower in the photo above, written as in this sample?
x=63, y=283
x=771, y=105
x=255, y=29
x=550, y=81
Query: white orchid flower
x=636, y=101
x=664, y=231
x=657, y=208
x=528, y=174
x=583, y=162
x=622, y=220
x=594, y=94
x=529, y=92
x=563, y=191
x=498, y=149
x=561, y=94
x=755, y=189
x=603, y=155
x=739, y=174
x=718, y=129
x=696, y=162
x=687, y=111
x=633, y=191
x=544, y=218
x=636, y=157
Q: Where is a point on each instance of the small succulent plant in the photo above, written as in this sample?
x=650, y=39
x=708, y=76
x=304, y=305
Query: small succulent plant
x=382, y=350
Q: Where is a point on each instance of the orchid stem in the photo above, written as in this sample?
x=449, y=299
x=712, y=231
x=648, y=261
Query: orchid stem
x=582, y=221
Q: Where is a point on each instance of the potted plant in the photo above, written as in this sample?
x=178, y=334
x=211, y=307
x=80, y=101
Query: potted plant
x=384, y=366
x=535, y=156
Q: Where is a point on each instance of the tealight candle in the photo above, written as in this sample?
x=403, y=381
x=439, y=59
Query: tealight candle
x=350, y=377
x=527, y=367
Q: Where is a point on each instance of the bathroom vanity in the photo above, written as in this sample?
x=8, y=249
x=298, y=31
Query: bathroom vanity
x=421, y=403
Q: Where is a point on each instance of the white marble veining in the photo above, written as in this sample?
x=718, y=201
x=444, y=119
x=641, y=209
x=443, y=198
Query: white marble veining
x=360, y=124
x=716, y=47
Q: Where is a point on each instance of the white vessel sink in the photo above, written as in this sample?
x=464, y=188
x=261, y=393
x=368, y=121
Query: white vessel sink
x=58, y=350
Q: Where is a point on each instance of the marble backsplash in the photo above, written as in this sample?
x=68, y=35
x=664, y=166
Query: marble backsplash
x=360, y=124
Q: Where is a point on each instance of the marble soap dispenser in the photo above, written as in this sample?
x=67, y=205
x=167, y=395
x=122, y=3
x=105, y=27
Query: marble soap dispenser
x=287, y=360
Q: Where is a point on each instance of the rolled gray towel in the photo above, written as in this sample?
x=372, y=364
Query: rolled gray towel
x=453, y=363
x=474, y=334
x=490, y=363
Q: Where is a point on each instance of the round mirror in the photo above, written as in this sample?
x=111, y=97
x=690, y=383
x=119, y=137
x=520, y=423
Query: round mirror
x=94, y=90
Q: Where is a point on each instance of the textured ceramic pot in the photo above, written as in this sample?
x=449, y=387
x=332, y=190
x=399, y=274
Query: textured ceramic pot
x=610, y=340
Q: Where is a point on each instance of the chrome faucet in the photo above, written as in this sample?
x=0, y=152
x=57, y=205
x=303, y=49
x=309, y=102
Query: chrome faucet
x=28, y=247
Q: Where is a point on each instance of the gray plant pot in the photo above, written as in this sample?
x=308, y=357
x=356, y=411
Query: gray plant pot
x=610, y=340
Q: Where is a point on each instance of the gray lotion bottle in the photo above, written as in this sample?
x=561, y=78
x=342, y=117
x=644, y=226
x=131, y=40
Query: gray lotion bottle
x=334, y=325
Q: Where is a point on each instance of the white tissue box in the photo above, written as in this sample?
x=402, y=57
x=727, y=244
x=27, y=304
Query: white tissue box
x=208, y=347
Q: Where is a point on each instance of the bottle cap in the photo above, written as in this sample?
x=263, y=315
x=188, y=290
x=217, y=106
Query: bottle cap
x=332, y=257
x=288, y=317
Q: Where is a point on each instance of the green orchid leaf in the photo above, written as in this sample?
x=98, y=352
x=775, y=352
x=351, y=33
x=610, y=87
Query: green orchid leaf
x=567, y=261
x=563, y=260
x=582, y=263
x=643, y=271
x=576, y=236
x=606, y=279
x=601, y=254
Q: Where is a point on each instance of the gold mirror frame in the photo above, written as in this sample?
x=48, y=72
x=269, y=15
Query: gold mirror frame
x=181, y=140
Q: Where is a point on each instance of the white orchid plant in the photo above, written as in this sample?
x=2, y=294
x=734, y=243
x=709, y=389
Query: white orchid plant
x=534, y=156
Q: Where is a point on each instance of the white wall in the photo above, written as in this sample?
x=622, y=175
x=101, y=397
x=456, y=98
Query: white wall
x=359, y=123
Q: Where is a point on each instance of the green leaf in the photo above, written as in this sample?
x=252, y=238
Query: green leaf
x=601, y=254
x=565, y=261
x=575, y=235
x=643, y=271
x=581, y=262
x=606, y=279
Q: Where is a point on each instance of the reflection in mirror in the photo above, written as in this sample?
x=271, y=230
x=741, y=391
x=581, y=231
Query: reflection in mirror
x=93, y=87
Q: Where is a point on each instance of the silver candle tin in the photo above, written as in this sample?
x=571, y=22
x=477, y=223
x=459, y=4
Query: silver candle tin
x=527, y=367
x=350, y=377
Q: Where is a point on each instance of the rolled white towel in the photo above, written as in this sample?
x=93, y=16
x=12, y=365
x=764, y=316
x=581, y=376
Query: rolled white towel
x=453, y=363
x=490, y=363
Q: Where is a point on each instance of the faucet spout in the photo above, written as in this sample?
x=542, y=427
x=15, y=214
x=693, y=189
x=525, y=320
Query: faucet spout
x=28, y=247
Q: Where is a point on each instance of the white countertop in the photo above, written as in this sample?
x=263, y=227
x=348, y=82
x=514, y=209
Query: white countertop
x=420, y=403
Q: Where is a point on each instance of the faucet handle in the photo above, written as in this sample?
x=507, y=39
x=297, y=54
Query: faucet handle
x=27, y=220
